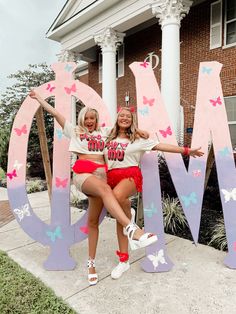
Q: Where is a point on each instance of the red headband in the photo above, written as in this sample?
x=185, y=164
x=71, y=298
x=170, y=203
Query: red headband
x=131, y=108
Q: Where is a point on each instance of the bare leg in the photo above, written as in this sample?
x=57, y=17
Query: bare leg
x=122, y=192
x=94, y=211
x=98, y=188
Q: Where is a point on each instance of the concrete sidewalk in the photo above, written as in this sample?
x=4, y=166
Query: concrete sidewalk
x=198, y=283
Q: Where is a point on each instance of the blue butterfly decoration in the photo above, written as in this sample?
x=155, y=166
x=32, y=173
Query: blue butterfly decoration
x=68, y=67
x=224, y=152
x=206, y=70
x=188, y=199
x=150, y=211
x=144, y=111
x=55, y=234
x=59, y=133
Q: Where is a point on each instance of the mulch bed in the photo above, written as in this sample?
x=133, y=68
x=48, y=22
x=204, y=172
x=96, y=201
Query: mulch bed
x=6, y=214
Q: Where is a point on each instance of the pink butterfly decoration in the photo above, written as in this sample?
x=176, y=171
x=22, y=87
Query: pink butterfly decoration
x=50, y=88
x=144, y=64
x=234, y=246
x=147, y=101
x=84, y=229
x=166, y=132
x=12, y=174
x=197, y=173
x=71, y=89
x=22, y=130
x=60, y=182
x=103, y=124
x=215, y=102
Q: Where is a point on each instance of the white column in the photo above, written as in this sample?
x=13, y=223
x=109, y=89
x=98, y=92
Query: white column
x=109, y=40
x=170, y=13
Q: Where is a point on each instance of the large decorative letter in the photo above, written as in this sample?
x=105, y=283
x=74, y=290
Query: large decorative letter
x=59, y=234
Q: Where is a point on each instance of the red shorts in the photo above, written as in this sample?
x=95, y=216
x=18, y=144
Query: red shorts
x=114, y=176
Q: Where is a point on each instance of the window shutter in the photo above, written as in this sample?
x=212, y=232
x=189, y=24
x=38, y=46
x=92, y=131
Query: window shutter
x=216, y=25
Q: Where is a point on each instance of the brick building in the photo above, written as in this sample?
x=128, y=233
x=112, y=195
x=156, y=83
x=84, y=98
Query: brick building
x=174, y=35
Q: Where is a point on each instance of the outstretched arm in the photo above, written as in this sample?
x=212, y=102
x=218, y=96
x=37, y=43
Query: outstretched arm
x=169, y=148
x=59, y=117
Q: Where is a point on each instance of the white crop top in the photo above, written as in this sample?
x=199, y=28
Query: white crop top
x=121, y=153
x=86, y=143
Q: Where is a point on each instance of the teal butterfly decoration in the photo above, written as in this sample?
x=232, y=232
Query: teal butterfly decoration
x=59, y=133
x=206, y=70
x=224, y=152
x=144, y=111
x=150, y=211
x=55, y=234
x=68, y=67
x=188, y=199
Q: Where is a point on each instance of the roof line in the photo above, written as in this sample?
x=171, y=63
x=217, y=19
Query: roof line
x=70, y=17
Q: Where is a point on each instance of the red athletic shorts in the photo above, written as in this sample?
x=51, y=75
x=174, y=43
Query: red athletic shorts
x=114, y=176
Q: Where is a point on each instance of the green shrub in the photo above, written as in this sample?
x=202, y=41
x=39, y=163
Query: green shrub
x=2, y=174
x=218, y=239
x=173, y=214
x=34, y=186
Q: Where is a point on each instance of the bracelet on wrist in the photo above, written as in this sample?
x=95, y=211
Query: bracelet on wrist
x=186, y=151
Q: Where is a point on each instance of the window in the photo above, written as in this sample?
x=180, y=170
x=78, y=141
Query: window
x=120, y=62
x=229, y=23
x=216, y=25
x=230, y=104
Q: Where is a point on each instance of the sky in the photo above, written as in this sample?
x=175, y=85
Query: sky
x=23, y=27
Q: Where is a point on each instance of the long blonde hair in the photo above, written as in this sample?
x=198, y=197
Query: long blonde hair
x=80, y=128
x=131, y=131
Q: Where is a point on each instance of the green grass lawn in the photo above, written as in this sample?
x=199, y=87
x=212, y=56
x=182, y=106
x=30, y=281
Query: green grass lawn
x=22, y=293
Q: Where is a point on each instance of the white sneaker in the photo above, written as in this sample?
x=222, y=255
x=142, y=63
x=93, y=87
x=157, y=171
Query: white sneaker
x=120, y=269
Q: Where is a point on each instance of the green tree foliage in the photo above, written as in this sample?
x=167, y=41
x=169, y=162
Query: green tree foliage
x=10, y=103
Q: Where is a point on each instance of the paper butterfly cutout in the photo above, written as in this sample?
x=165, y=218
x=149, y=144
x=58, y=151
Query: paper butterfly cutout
x=22, y=130
x=197, y=173
x=84, y=229
x=68, y=67
x=12, y=174
x=228, y=195
x=188, y=199
x=216, y=102
x=157, y=258
x=149, y=102
x=17, y=165
x=206, y=70
x=71, y=89
x=50, y=88
x=59, y=133
x=150, y=211
x=144, y=64
x=166, y=132
x=103, y=124
x=224, y=152
x=55, y=234
x=234, y=246
x=22, y=212
x=60, y=182
x=144, y=111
